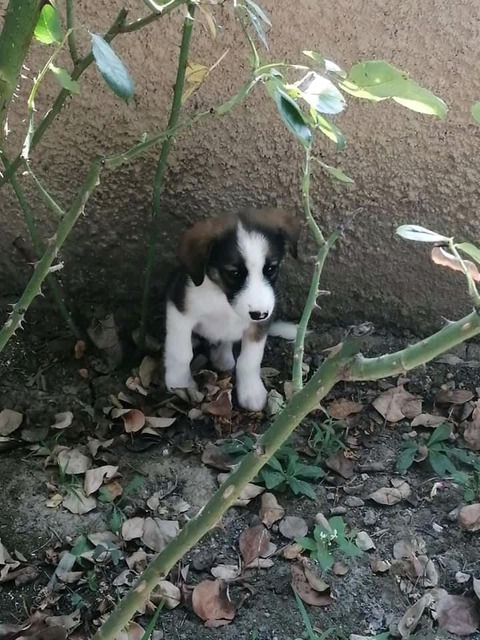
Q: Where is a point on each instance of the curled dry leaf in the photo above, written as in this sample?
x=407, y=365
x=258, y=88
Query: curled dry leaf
x=412, y=616
x=446, y=259
x=67, y=622
x=453, y=396
x=210, y=603
x=221, y=406
x=248, y=493
x=112, y=490
x=159, y=423
x=427, y=420
x=226, y=572
x=275, y=403
x=95, y=445
x=293, y=527
x=146, y=370
x=342, y=408
x=253, y=543
x=133, y=383
x=213, y=456
x=158, y=533
x=469, y=517
x=397, y=404
x=133, y=528
x=379, y=566
x=77, y=502
x=94, y=478
x=167, y=593
x=341, y=464
x=9, y=421
x=63, y=420
x=134, y=420
x=270, y=510
x=133, y=632
x=391, y=495
x=458, y=615
x=471, y=434
x=137, y=561
x=73, y=461
x=305, y=590
x=292, y=551
x=127, y=578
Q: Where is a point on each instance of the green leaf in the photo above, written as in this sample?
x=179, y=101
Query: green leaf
x=337, y=524
x=316, y=57
x=419, y=234
x=335, y=172
x=476, y=112
x=470, y=249
x=135, y=484
x=48, y=28
x=112, y=69
x=331, y=131
x=416, y=98
x=259, y=12
x=271, y=479
x=64, y=79
x=299, y=487
x=440, y=463
x=257, y=25
x=349, y=548
x=307, y=543
x=308, y=471
x=81, y=545
x=275, y=464
x=405, y=459
x=290, y=113
x=321, y=94
x=378, y=78
x=441, y=433
x=324, y=559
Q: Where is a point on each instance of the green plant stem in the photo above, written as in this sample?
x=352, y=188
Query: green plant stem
x=72, y=41
x=18, y=27
x=118, y=26
x=343, y=363
x=159, y=180
x=472, y=287
x=56, y=288
x=43, y=266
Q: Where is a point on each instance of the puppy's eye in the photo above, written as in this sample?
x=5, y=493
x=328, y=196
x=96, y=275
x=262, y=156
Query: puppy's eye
x=232, y=272
x=270, y=269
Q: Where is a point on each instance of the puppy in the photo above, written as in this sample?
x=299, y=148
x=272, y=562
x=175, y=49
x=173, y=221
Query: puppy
x=224, y=291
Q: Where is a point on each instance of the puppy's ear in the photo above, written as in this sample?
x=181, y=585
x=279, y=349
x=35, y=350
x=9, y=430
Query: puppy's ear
x=283, y=221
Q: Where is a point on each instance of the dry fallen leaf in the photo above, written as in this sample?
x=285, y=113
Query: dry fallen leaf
x=133, y=632
x=412, y=616
x=341, y=464
x=213, y=456
x=9, y=421
x=453, y=396
x=379, y=566
x=159, y=423
x=305, y=590
x=134, y=420
x=446, y=259
x=63, y=420
x=211, y=604
x=364, y=542
x=133, y=528
x=248, y=493
x=67, y=622
x=469, y=517
x=112, y=490
x=342, y=408
x=221, y=406
x=270, y=510
x=158, y=533
x=391, y=495
x=340, y=569
x=146, y=370
x=167, y=593
x=77, y=502
x=471, y=434
x=458, y=614
x=292, y=551
x=253, y=543
x=396, y=404
x=73, y=461
x=225, y=572
x=293, y=527
x=427, y=420
x=94, y=478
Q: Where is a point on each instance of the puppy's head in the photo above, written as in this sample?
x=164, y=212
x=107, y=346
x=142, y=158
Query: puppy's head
x=242, y=255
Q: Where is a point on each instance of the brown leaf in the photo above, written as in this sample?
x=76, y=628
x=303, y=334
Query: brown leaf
x=293, y=527
x=73, y=461
x=213, y=456
x=342, y=408
x=397, y=404
x=305, y=591
x=447, y=259
x=226, y=572
x=458, y=614
x=63, y=420
x=158, y=533
x=134, y=420
x=67, y=622
x=270, y=510
x=22, y=576
x=341, y=465
x=248, y=493
x=167, y=593
x=472, y=432
x=146, y=370
x=379, y=566
x=112, y=490
x=453, y=396
x=77, y=502
x=391, y=495
x=469, y=517
x=292, y=551
x=133, y=528
x=159, y=423
x=412, y=616
x=94, y=478
x=340, y=569
x=210, y=603
x=221, y=406
x=79, y=349
x=9, y=421
x=427, y=420
x=253, y=543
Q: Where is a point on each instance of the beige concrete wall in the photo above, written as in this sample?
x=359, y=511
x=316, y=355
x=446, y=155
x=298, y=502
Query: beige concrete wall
x=408, y=167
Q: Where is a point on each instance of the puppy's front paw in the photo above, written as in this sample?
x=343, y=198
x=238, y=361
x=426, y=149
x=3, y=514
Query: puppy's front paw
x=178, y=379
x=251, y=394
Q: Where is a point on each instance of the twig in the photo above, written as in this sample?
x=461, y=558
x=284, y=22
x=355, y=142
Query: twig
x=159, y=179
x=72, y=41
x=43, y=266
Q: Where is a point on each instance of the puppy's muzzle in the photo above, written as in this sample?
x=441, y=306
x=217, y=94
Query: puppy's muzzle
x=258, y=315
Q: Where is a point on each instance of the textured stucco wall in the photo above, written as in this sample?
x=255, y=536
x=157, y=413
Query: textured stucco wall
x=408, y=167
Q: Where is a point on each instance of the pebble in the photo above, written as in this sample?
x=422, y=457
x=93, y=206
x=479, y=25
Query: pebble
x=370, y=518
x=330, y=497
x=364, y=542
x=338, y=511
x=453, y=515
x=354, y=501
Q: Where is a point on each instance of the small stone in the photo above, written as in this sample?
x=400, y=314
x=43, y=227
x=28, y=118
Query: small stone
x=364, y=542
x=338, y=511
x=461, y=577
x=370, y=518
x=437, y=527
x=354, y=501
x=453, y=515
x=330, y=497
x=340, y=569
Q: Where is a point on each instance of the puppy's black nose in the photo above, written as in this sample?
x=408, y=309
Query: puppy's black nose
x=258, y=315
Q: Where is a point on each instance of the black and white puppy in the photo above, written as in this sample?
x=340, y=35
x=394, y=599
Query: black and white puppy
x=224, y=291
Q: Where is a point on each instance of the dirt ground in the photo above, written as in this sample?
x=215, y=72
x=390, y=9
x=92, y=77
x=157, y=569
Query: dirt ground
x=41, y=377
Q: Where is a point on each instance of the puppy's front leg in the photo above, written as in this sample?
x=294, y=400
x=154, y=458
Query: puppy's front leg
x=251, y=393
x=178, y=350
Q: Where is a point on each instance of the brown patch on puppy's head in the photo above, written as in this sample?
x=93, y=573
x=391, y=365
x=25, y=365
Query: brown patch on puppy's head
x=196, y=244
x=278, y=220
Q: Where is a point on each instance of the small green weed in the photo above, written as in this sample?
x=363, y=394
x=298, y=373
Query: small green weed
x=328, y=541
x=283, y=471
x=326, y=438
x=311, y=634
x=118, y=517
x=470, y=483
x=440, y=456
